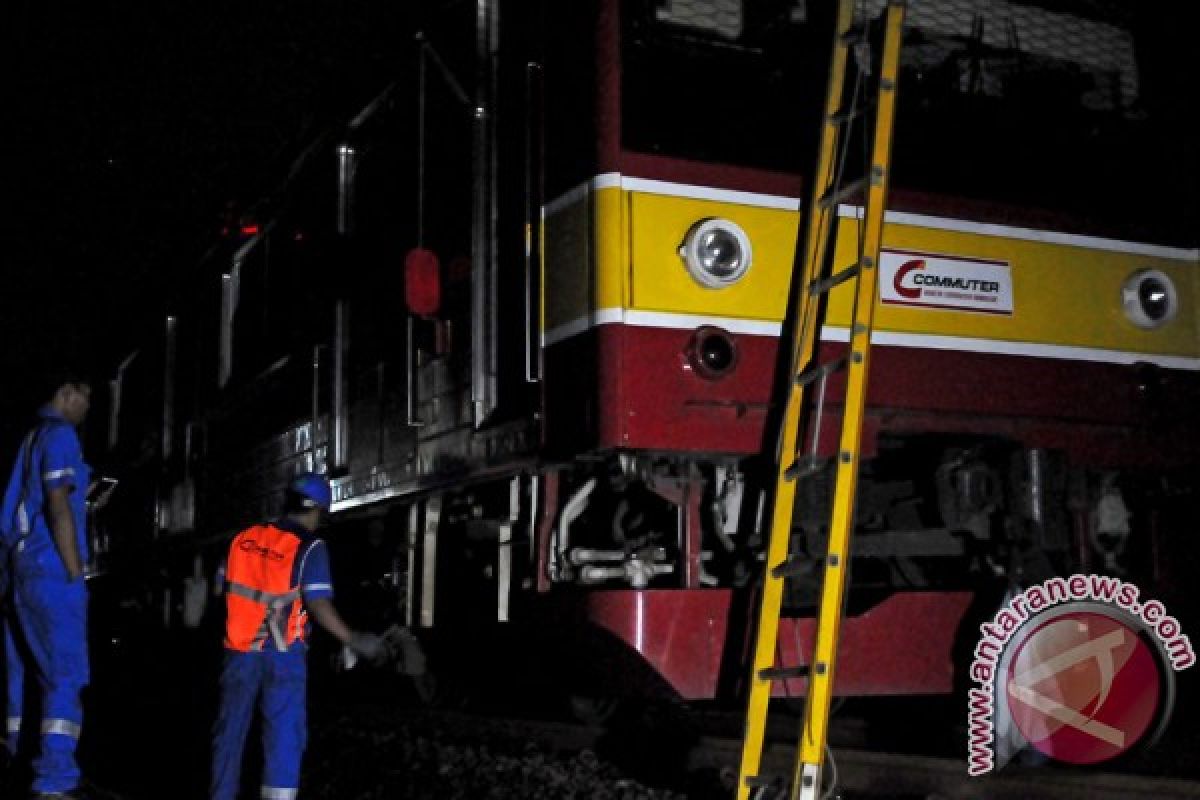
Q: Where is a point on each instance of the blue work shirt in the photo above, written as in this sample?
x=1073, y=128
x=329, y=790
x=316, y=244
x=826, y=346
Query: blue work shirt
x=50, y=458
x=310, y=570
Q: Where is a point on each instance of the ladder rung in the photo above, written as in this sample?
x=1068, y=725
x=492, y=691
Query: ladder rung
x=853, y=35
x=819, y=371
x=825, y=284
x=809, y=465
x=763, y=781
x=838, y=194
x=843, y=114
x=783, y=673
x=793, y=567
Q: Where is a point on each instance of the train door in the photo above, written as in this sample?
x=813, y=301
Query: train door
x=478, y=199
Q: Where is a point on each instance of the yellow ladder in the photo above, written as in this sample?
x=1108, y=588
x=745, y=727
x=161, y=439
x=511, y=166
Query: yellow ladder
x=828, y=189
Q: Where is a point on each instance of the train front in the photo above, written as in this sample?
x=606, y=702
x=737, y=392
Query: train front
x=1036, y=348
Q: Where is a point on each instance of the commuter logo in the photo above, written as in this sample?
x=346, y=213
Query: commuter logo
x=251, y=546
x=1076, y=669
x=929, y=280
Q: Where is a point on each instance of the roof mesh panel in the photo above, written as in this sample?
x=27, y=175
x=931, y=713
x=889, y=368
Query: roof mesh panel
x=998, y=32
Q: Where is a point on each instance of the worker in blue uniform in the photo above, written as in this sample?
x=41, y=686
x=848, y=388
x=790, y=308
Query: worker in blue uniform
x=275, y=577
x=43, y=541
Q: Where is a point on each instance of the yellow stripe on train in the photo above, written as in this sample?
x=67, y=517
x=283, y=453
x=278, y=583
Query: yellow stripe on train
x=614, y=247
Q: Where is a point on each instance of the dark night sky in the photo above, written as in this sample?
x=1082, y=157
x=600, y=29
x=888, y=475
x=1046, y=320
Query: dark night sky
x=130, y=125
x=129, y=128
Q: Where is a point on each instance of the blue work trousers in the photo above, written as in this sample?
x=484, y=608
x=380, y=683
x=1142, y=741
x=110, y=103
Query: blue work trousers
x=46, y=640
x=276, y=683
x=14, y=679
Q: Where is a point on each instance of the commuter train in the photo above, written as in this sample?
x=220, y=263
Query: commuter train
x=525, y=309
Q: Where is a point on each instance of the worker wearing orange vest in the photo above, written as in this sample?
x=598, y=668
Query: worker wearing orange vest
x=276, y=576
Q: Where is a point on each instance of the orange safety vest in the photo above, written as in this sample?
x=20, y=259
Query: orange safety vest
x=261, y=600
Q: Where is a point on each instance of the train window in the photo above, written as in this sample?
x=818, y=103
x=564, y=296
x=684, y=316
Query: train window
x=1004, y=101
x=702, y=79
x=721, y=17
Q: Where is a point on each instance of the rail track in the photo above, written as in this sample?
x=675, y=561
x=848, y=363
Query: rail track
x=860, y=773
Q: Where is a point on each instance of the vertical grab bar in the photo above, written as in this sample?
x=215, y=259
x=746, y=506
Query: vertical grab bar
x=534, y=195
x=168, y=411
x=485, y=210
x=411, y=375
x=316, y=406
x=410, y=356
x=340, y=419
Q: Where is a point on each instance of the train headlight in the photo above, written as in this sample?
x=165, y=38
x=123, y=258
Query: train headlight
x=717, y=252
x=712, y=352
x=1149, y=298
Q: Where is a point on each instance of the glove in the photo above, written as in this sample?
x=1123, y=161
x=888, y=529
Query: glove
x=407, y=650
x=369, y=646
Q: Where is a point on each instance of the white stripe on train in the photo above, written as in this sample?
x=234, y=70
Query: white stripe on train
x=616, y=180
x=924, y=341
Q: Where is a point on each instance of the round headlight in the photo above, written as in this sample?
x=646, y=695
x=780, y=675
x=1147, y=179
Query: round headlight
x=712, y=352
x=717, y=252
x=1149, y=298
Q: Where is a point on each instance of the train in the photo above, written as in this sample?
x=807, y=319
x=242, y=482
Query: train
x=524, y=309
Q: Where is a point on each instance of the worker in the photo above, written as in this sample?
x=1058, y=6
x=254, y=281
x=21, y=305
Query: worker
x=43, y=539
x=275, y=577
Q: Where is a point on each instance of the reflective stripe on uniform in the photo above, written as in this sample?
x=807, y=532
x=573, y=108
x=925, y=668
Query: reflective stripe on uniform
x=317, y=587
x=260, y=636
x=268, y=599
x=62, y=727
x=271, y=624
x=55, y=474
x=304, y=558
x=13, y=725
x=276, y=793
x=22, y=519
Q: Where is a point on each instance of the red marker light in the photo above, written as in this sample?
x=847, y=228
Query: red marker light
x=422, y=282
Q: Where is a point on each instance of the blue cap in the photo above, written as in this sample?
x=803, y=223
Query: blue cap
x=313, y=488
